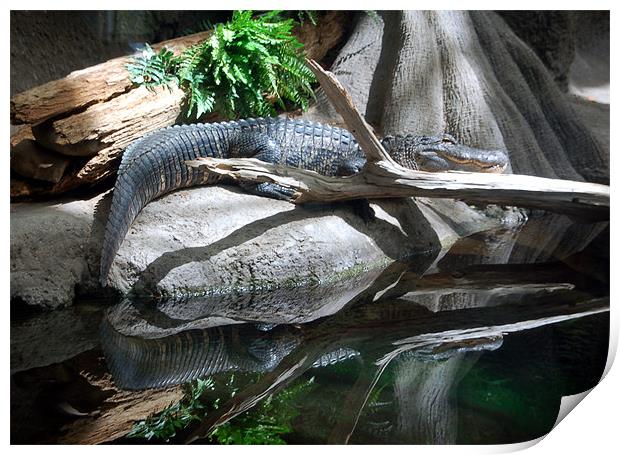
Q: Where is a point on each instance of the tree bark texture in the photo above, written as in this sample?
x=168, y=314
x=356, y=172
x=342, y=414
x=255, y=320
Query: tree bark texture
x=93, y=114
x=466, y=73
x=383, y=180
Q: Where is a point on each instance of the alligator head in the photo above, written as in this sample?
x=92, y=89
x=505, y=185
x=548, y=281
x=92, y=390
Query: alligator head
x=443, y=153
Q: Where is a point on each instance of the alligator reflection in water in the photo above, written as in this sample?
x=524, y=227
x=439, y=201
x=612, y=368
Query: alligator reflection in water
x=137, y=363
x=411, y=336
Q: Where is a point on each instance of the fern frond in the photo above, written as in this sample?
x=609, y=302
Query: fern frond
x=247, y=66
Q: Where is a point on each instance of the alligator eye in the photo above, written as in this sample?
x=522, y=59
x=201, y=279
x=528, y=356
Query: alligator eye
x=448, y=139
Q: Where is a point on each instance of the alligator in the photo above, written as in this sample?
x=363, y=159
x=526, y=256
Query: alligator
x=155, y=164
x=144, y=363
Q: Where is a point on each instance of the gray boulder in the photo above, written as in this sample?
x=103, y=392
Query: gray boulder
x=210, y=240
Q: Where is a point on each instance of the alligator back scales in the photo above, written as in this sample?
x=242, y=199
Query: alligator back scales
x=155, y=164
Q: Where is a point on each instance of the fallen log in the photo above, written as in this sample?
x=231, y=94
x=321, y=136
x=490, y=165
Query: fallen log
x=382, y=180
x=102, y=82
x=117, y=415
x=96, y=112
x=88, y=114
x=381, y=177
x=104, y=130
x=83, y=88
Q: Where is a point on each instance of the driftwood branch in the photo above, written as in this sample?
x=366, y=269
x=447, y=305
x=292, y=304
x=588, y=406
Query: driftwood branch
x=384, y=178
x=343, y=103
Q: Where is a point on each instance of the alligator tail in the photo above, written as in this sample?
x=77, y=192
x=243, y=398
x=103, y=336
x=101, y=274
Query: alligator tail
x=153, y=166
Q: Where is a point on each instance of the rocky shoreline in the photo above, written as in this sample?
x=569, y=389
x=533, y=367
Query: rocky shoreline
x=217, y=239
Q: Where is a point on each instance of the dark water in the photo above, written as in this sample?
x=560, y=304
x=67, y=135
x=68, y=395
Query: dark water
x=475, y=345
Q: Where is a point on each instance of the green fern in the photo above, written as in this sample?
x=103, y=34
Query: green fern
x=153, y=68
x=247, y=66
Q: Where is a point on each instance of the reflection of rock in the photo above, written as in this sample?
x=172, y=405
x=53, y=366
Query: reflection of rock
x=48, y=338
x=297, y=305
x=499, y=267
x=554, y=237
x=451, y=300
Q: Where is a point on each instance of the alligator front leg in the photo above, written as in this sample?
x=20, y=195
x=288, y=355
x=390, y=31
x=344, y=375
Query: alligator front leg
x=271, y=190
x=257, y=145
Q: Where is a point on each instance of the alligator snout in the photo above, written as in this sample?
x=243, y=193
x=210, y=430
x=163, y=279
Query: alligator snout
x=457, y=157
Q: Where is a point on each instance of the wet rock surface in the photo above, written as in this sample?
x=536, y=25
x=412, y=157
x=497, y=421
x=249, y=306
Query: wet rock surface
x=219, y=239
x=54, y=248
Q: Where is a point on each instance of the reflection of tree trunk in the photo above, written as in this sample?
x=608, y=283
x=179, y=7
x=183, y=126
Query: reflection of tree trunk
x=423, y=389
x=353, y=404
x=492, y=248
x=409, y=329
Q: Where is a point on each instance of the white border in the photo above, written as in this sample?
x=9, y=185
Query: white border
x=591, y=427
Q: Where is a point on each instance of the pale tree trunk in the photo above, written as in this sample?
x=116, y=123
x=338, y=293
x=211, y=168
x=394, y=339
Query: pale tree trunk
x=467, y=73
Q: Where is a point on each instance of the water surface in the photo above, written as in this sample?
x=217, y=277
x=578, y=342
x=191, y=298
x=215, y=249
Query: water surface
x=474, y=345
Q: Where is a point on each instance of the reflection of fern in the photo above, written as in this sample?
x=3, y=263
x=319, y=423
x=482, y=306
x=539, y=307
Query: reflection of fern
x=267, y=422
x=244, y=68
x=263, y=424
x=177, y=416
